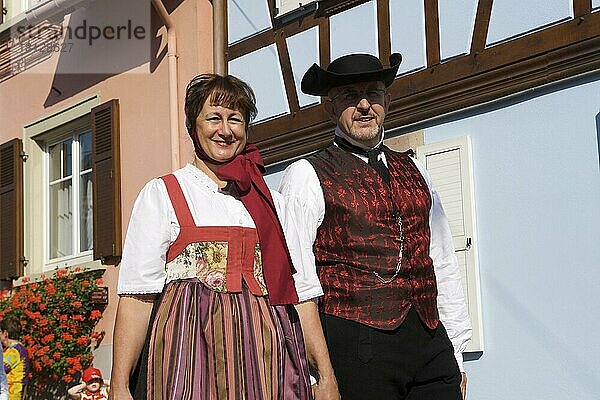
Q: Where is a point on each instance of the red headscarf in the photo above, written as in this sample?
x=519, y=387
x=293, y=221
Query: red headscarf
x=246, y=172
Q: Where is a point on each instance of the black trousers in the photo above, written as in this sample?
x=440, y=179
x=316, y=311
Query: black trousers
x=411, y=362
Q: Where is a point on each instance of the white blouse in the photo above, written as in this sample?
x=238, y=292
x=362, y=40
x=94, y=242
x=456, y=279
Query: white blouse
x=305, y=210
x=153, y=226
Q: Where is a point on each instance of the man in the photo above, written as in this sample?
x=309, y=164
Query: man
x=365, y=223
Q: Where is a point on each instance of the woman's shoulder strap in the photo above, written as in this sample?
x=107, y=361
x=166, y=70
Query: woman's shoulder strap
x=180, y=205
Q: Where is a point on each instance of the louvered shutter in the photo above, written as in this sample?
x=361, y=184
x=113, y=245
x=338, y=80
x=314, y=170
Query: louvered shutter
x=450, y=169
x=11, y=210
x=106, y=182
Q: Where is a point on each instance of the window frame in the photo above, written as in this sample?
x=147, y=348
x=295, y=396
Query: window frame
x=566, y=49
x=35, y=134
x=77, y=255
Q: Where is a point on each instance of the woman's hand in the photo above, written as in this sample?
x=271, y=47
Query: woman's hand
x=119, y=394
x=326, y=389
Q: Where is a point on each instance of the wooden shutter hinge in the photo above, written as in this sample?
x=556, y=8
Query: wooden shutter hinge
x=24, y=261
x=24, y=156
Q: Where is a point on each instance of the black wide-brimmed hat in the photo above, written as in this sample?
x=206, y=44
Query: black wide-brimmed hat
x=352, y=68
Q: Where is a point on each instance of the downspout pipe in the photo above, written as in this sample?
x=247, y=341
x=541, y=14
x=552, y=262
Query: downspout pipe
x=219, y=36
x=173, y=79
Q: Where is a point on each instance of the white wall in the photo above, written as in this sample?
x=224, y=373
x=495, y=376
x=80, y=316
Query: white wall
x=537, y=193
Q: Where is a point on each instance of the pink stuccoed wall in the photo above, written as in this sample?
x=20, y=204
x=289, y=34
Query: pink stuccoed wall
x=144, y=106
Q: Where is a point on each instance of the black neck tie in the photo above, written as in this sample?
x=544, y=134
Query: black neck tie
x=372, y=155
x=378, y=165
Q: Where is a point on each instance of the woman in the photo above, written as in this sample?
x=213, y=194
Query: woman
x=207, y=239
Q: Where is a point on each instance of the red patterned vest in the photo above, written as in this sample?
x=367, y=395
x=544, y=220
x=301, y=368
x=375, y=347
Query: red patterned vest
x=360, y=235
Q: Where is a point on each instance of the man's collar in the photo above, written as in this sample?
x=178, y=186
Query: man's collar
x=358, y=144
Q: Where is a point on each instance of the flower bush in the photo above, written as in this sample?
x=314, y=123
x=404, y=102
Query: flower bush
x=58, y=320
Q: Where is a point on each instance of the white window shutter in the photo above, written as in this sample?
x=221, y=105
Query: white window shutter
x=450, y=168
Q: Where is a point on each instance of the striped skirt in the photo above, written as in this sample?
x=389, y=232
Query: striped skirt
x=210, y=345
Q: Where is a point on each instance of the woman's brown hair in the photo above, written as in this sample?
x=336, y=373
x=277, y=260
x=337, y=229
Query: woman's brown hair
x=225, y=91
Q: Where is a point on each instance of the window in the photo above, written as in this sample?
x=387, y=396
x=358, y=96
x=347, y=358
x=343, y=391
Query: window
x=450, y=169
x=67, y=152
x=71, y=185
x=69, y=196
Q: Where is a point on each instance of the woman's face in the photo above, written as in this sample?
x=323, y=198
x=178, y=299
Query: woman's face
x=221, y=131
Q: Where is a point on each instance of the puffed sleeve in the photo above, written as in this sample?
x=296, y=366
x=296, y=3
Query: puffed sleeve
x=304, y=212
x=147, y=241
x=451, y=302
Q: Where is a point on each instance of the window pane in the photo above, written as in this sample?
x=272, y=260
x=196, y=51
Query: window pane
x=246, y=18
x=457, y=19
x=67, y=146
x=85, y=146
x=261, y=70
x=354, y=31
x=407, y=30
x=516, y=17
x=85, y=210
x=54, y=153
x=61, y=220
x=304, y=52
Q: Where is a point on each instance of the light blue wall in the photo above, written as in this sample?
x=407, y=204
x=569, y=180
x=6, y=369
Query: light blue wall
x=537, y=194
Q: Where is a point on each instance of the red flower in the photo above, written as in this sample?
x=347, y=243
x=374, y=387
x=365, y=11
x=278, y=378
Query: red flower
x=37, y=366
x=50, y=289
x=60, y=273
x=25, y=279
x=48, y=338
x=95, y=314
x=85, y=283
x=82, y=341
x=76, y=304
x=67, y=378
x=99, y=281
x=67, y=336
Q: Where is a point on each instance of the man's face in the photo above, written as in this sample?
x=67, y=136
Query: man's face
x=359, y=110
